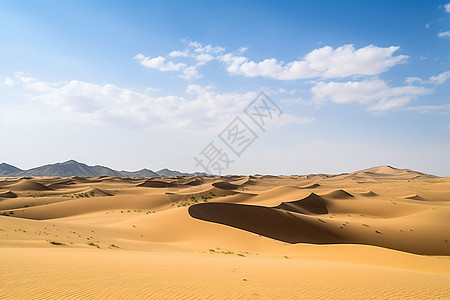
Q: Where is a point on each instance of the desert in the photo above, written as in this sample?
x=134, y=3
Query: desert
x=377, y=233
x=173, y=149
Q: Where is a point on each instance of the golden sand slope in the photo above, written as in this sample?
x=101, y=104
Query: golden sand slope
x=99, y=274
x=227, y=237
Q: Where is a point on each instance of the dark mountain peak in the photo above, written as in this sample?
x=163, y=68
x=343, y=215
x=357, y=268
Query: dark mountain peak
x=141, y=173
x=75, y=168
x=71, y=162
x=6, y=169
x=169, y=173
x=143, y=170
x=5, y=165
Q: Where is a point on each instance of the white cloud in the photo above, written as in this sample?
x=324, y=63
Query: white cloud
x=388, y=104
x=111, y=104
x=242, y=50
x=201, y=55
x=190, y=72
x=447, y=7
x=374, y=93
x=436, y=79
x=346, y=61
x=324, y=62
x=427, y=25
x=440, y=79
x=445, y=108
x=203, y=58
x=184, y=53
x=159, y=63
x=195, y=89
x=444, y=34
x=233, y=62
x=199, y=48
x=411, y=80
x=8, y=81
x=151, y=90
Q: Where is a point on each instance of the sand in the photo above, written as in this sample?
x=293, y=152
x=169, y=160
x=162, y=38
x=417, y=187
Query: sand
x=372, y=234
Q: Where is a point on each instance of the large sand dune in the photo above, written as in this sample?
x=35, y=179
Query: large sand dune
x=376, y=233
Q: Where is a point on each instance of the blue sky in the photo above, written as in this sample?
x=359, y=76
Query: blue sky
x=150, y=84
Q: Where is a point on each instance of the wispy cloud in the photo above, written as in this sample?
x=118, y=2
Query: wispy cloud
x=196, y=55
x=325, y=62
x=436, y=79
x=202, y=108
x=158, y=63
x=445, y=108
x=375, y=94
x=8, y=81
x=444, y=34
x=440, y=79
x=447, y=7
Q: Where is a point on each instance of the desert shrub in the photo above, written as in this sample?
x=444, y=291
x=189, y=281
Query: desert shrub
x=55, y=243
x=93, y=244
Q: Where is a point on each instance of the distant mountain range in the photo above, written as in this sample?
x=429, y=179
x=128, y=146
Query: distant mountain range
x=74, y=168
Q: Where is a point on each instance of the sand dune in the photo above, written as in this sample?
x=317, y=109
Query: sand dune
x=369, y=194
x=311, y=236
x=414, y=197
x=339, y=194
x=244, y=181
x=234, y=184
x=60, y=183
x=8, y=194
x=294, y=222
x=225, y=185
x=311, y=186
x=157, y=184
x=274, y=223
x=171, y=182
x=28, y=185
x=313, y=204
x=79, y=179
x=388, y=171
x=98, y=192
